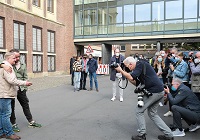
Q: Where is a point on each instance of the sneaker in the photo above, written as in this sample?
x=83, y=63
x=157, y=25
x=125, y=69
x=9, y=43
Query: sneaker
x=163, y=137
x=169, y=113
x=194, y=127
x=121, y=99
x=97, y=90
x=113, y=98
x=143, y=137
x=178, y=133
x=160, y=104
x=33, y=124
x=15, y=128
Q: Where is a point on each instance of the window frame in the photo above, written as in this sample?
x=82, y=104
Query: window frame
x=37, y=71
x=34, y=3
x=51, y=32
x=51, y=56
x=50, y=6
x=3, y=30
x=19, y=31
x=37, y=28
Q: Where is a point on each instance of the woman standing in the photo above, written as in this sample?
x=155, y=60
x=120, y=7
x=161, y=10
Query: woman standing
x=77, y=67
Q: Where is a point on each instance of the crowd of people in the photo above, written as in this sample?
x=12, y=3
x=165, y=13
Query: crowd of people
x=180, y=77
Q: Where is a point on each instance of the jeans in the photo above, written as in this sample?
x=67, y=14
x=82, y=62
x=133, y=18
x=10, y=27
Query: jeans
x=24, y=102
x=115, y=85
x=93, y=75
x=5, y=113
x=151, y=104
x=190, y=117
x=77, y=77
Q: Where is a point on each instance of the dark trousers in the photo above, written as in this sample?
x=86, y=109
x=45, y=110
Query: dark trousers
x=189, y=116
x=83, y=80
x=72, y=78
x=24, y=102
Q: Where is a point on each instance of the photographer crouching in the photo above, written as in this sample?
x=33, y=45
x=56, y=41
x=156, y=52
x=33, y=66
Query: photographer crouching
x=148, y=83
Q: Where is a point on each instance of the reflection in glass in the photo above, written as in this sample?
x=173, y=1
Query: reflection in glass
x=128, y=28
x=190, y=24
x=143, y=12
x=128, y=13
x=143, y=27
x=102, y=16
x=90, y=17
x=174, y=9
x=158, y=11
x=158, y=26
x=174, y=25
x=114, y=29
x=115, y=15
x=102, y=29
x=78, y=18
x=190, y=9
x=78, y=31
x=90, y=30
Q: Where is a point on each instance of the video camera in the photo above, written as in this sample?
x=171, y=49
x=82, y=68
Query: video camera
x=141, y=91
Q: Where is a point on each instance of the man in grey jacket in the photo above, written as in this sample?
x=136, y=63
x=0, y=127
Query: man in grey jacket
x=185, y=105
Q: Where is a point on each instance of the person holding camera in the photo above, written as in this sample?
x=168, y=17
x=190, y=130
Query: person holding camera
x=152, y=85
x=185, y=105
x=115, y=76
x=195, y=74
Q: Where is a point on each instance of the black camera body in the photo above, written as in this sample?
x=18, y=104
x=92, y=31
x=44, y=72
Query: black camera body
x=169, y=55
x=191, y=57
x=141, y=88
x=114, y=65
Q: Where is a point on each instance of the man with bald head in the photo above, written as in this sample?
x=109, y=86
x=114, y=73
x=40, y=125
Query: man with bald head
x=195, y=77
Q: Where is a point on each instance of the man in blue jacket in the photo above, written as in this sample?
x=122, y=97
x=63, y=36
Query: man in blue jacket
x=185, y=105
x=92, y=68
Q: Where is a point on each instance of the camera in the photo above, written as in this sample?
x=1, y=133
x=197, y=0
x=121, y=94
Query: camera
x=141, y=88
x=169, y=55
x=141, y=91
x=190, y=57
x=114, y=65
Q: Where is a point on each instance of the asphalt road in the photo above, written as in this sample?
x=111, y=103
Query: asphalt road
x=86, y=115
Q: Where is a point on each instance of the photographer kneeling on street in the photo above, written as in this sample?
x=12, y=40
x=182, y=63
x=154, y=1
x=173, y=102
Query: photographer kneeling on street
x=153, y=85
x=185, y=105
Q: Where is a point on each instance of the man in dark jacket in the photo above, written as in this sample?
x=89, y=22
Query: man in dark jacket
x=185, y=105
x=116, y=58
x=92, y=68
x=71, y=69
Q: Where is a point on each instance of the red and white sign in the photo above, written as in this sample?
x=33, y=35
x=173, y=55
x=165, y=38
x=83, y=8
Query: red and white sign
x=89, y=49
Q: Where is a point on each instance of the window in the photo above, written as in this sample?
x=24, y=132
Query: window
x=174, y=9
x=37, y=39
x=37, y=63
x=128, y=13
x=51, y=41
x=23, y=58
x=36, y=3
x=1, y=33
x=122, y=48
x=143, y=12
x=190, y=8
x=134, y=47
x=50, y=6
x=19, y=36
x=1, y=56
x=51, y=63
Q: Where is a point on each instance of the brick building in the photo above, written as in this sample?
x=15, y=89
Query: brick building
x=43, y=32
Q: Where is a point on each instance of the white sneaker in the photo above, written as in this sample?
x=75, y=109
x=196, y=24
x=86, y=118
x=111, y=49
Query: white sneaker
x=169, y=113
x=160, y=104
x=194, y=127
x=178, y=133
x=121, y=99
x=113, y=98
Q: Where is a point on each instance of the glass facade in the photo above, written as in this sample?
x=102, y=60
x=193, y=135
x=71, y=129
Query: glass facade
x=107, y=18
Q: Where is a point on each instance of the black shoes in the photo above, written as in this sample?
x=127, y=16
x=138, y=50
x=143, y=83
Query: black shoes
x=163, y=137
x=138, y=137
